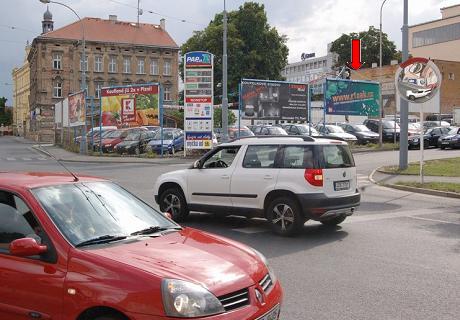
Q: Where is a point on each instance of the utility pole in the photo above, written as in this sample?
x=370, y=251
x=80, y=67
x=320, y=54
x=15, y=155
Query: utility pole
x=381, y=97
x=224, y=82
x=404, y=110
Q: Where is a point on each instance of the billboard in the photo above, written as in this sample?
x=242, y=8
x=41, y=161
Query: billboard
x=133, y=105
x=273, y=100
x=198, y=100
x=353, y=98
x=77, y=109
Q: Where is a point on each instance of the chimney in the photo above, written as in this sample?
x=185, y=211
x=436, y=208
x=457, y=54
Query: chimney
x=163, y=24
x=112, y=17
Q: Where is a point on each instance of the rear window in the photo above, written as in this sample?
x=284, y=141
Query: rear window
x=298, y=157
x=335, y=156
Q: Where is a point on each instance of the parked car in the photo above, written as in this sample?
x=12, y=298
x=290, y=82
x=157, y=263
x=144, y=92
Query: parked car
x=361, y=132
x=110, y=140
x=243, y=131
x=94, y=133
x=152, y=128
x=287, y=180
x=431, y=124
x=335, y=131
x=451, y=140
x=85, y=248
x=430, y=137
x=301, y=130
x=135, y=143
x=269, y=130
x=173, y=140
x=390, y=128
x=417, y=93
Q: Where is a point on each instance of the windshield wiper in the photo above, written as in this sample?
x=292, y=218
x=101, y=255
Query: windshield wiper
x=102, y=239
x=153, y=229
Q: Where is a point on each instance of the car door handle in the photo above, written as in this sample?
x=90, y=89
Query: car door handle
x=225, y=176
x=268, y=177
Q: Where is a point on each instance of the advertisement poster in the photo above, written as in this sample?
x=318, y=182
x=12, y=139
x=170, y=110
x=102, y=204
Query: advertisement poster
x=273, y=100
x=77, y=109
x=353, y=98
x=198, y=98
x=134, y=105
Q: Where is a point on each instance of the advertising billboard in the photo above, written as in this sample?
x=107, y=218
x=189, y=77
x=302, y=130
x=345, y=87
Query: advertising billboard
x=353, y=98
x=198, y=100
x=273, y=100
x=134, y=105
x=77, y=109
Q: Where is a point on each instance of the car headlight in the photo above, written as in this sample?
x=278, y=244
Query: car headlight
x=185, y=299
x=108, y=145
x=415, y=140
x=455, y=139
x=271, y=272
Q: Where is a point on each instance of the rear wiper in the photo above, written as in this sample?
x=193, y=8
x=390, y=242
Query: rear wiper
x=102, y=239
x=153, y=229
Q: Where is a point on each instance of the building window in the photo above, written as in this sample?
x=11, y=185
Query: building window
x=126, y=65
x=57, y=58
x=98, y=64
x=112, y=83
x=57, y=89
x=84, y=65
x=113, y=64
x=451, y=76
x=140, y=66
x=167, y=68
x=436, y=35
x=167, y=93
x=97, y=88
x=154, y=67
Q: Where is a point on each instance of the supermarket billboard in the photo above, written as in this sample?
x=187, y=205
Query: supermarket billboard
x=133, y=105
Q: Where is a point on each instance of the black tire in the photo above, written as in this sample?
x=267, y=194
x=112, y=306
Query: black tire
x=173, y=150
x=443, y=147
x=284, y=216
x=334, y=221
x=411, y=98
x=173, y=201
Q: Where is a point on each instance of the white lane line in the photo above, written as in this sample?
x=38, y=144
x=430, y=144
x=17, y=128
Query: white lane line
x=435, y=220
x=26, y=159
x=391, y=215
x=42, y=159
x=10, y=159
x=250, y=230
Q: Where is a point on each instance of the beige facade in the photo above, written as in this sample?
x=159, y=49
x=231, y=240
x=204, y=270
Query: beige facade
x=438, y=39
x=56, y=69
x=21, y=92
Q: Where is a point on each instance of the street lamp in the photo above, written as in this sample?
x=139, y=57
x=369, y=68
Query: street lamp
x=224, y=81
x=380, y=65
x=83, y=70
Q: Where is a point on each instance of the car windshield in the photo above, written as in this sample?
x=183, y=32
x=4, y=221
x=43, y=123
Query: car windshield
x=390, y=125
x=277, y=130
x=335, y=129
x=306, y=130
x=361, y=128
x=133, y=136
x=244, y=132
x=114, y=134
x=453, y=131
x=167, y=135
x=85, y=211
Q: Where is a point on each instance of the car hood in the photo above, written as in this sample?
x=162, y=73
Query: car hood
x=111, y=141
x=158, y=142
x=127, y=143
x=450, y=136
x=342, y=135
x=367, y=134
x=192, y=255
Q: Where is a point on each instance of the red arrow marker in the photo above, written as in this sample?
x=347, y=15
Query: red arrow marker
x=355, y=54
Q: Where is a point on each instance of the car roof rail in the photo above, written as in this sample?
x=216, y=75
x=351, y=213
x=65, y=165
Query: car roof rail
x=305, y=138
x=330, y=138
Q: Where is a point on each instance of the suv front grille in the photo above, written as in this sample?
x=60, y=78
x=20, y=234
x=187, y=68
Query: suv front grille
x=266, y=282
x=235, y=300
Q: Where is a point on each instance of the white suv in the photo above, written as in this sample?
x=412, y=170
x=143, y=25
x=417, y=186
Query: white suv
x=287, y=180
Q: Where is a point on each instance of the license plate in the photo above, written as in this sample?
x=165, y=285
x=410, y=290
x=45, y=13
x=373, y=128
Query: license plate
x=445, y=142
x=341, y=185
x=273, y=314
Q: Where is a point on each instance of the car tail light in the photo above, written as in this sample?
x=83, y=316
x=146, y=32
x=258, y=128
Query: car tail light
x=314, y=177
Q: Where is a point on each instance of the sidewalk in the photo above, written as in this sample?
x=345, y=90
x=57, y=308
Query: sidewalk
x=67, y=156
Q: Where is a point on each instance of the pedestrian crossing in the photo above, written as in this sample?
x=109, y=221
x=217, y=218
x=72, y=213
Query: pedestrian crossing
x=21, y=159
x=363, y=181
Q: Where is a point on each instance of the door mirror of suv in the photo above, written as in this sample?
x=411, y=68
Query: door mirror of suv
x=197, y=164
x=26, y=247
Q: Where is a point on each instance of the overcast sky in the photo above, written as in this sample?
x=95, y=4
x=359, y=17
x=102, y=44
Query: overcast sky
x=309, y=24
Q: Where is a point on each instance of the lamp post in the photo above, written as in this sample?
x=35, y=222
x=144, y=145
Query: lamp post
x=404, y=112
x=224, y=81
x=380, y=65
x=83, y=70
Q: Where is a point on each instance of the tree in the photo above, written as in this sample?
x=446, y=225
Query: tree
x=255, y=49
x=6, y=116
x=218, y=118
x=370, y=48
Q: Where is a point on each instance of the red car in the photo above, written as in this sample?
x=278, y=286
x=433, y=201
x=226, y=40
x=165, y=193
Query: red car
x=86, y=249
x=113, y=138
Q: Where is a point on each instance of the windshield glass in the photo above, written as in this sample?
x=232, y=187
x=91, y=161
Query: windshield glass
x=113, y=134
x=453, y=131
x=305, y=130
x=361, y=128
x=335, y=129
x=167, y=135
x=244, y=132
x=133, y=136
x=84, y=211
x=276, y=130
x=390, y=125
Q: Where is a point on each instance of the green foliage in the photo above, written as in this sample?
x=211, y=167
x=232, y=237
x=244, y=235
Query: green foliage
x=218, y=118
x=176, y=115
x=255, y=49
x=146, y=101
x=370, y=47
x=6, y=116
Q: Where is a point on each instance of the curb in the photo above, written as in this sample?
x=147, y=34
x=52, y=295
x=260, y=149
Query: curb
x=371, y=150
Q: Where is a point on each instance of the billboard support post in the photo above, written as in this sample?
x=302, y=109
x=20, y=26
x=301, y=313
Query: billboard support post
x=380, y=114
x=160, y=110
x=422, y=144
x=309, y=111
x=92, y=122
x=100, y=126
x=324, y=104
x=239, y=110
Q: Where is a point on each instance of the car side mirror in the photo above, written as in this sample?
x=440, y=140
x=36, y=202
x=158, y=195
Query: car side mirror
x=26, y=247
x=197, y=164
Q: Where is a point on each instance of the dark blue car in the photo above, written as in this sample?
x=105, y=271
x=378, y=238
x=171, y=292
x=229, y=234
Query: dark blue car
x=173, y=140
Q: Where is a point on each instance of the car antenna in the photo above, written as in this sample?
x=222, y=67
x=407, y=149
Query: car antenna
x=49, y=154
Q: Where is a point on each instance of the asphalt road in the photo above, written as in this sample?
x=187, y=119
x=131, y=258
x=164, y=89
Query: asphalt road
x=398, y=257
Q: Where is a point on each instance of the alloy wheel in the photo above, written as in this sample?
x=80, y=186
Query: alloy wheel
x=172, y=204
x=283, y=215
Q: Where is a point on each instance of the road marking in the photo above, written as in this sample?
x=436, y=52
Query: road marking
x=250, y=230
x=391, y=215
x=26, y=159
x=435, y=220
x=10, y=159
x=42, y=159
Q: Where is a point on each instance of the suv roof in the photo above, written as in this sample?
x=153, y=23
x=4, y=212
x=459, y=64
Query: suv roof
x=283, y=140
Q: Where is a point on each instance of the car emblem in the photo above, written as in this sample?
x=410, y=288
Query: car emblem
x=344, y=174
x=259, y=296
